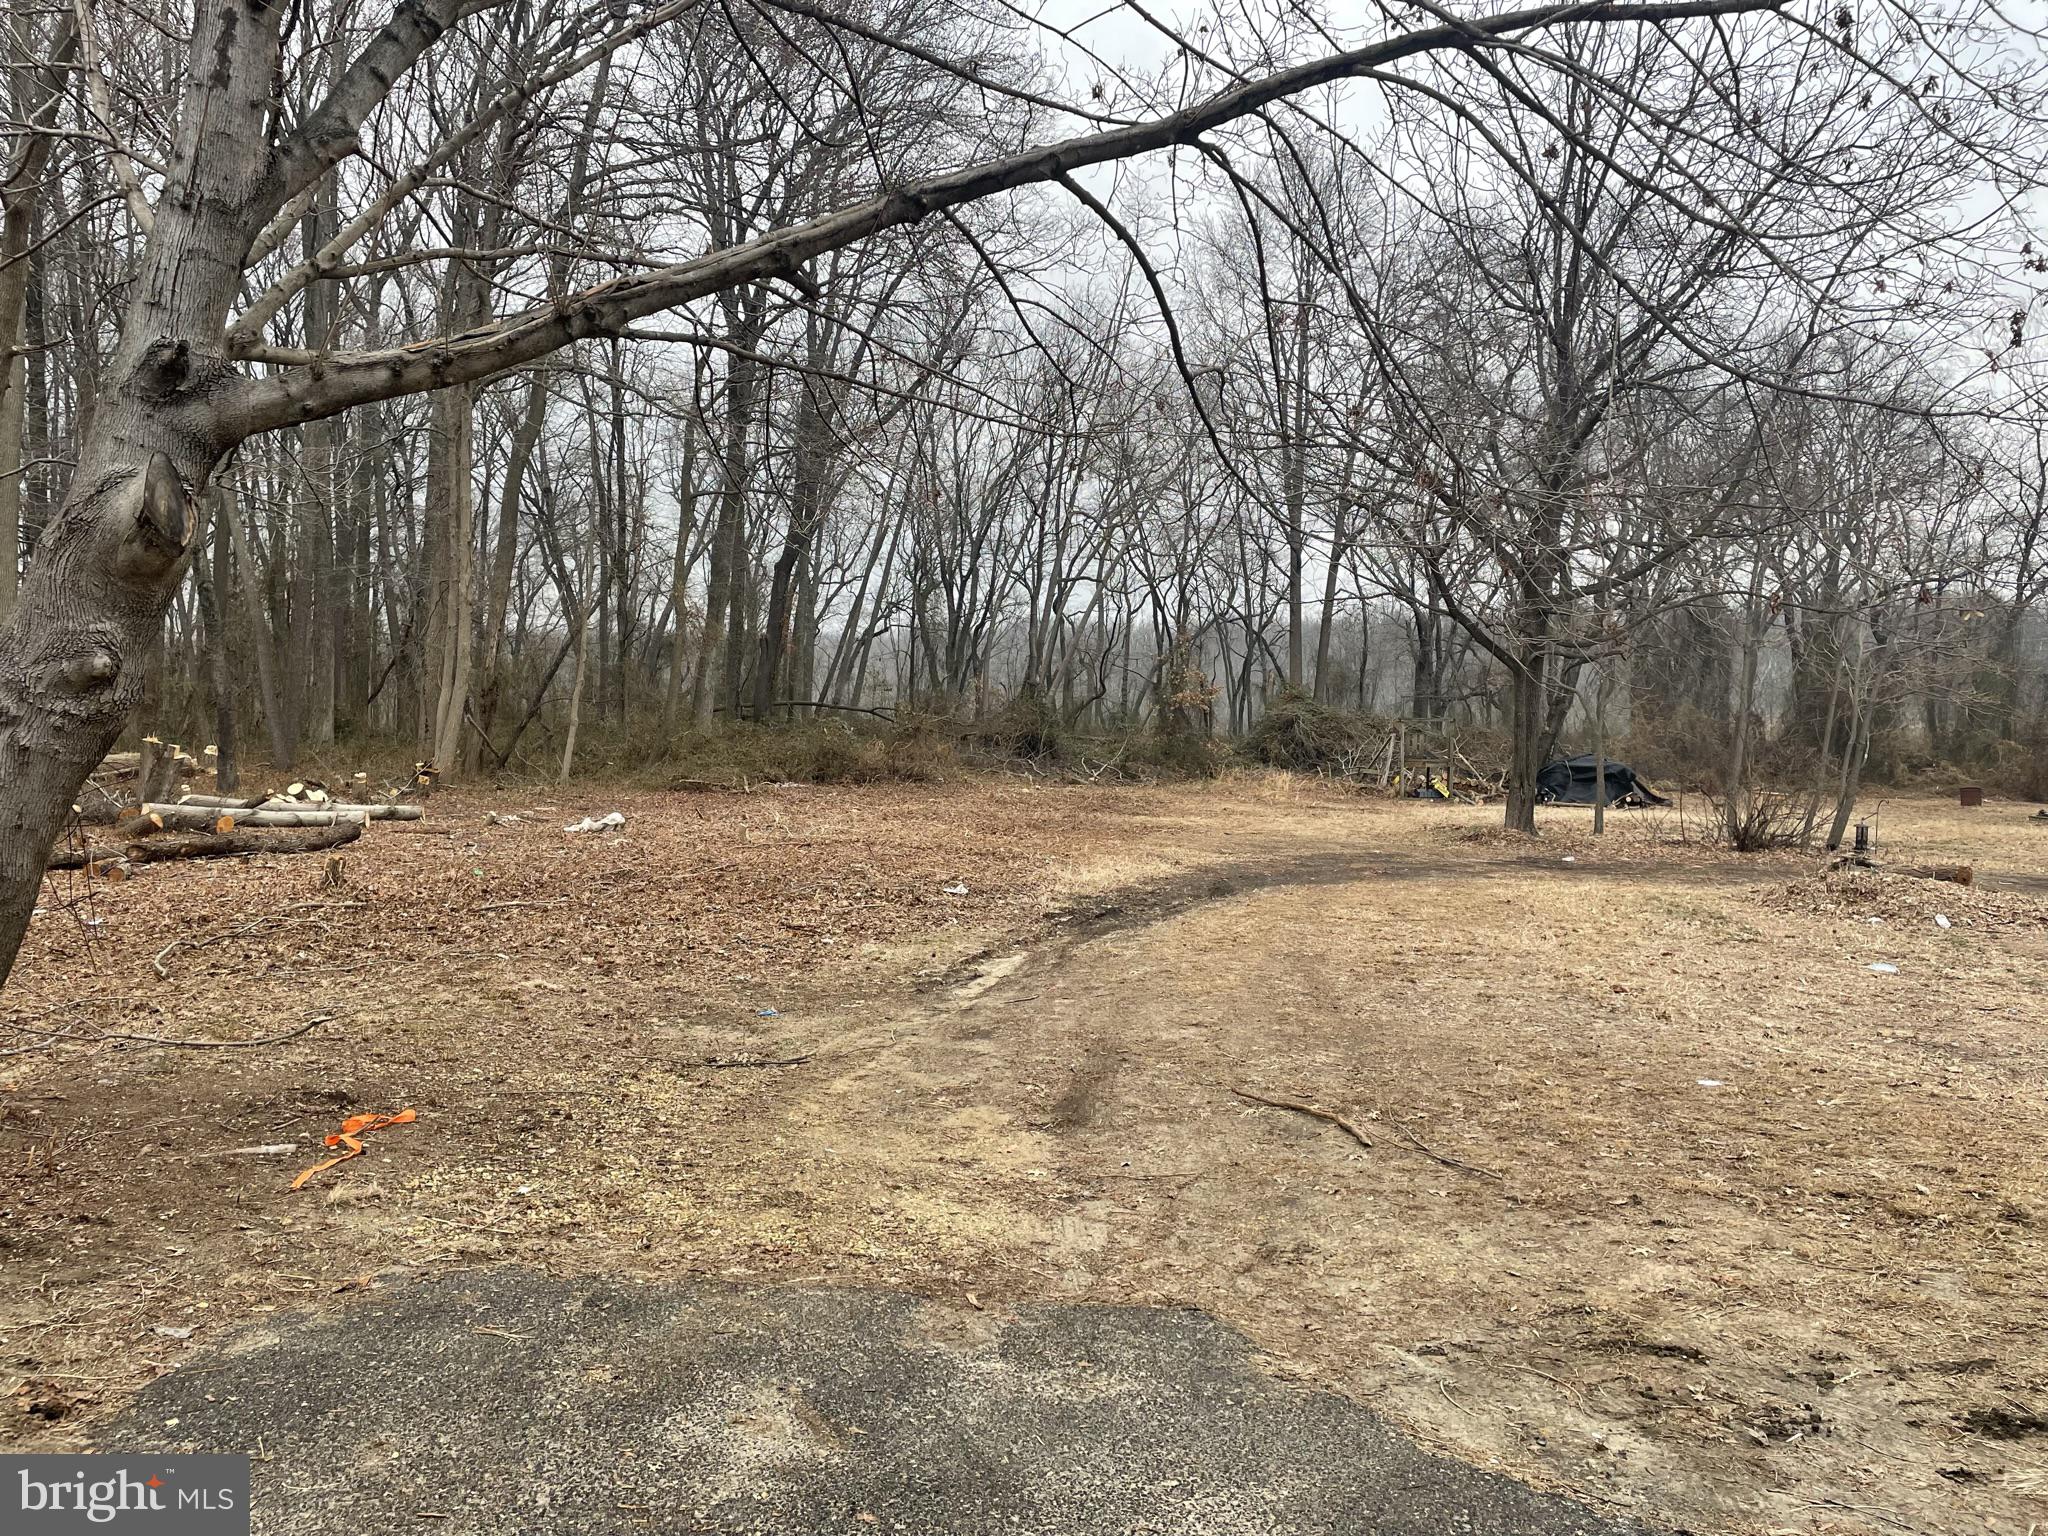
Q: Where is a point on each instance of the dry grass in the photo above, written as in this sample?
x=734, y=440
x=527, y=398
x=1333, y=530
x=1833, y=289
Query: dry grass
x=1763, y=1255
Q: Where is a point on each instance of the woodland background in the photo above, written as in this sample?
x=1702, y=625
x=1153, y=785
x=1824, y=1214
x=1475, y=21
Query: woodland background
x=1525, y=423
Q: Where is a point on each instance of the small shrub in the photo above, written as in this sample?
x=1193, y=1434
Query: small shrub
x=1766, y=821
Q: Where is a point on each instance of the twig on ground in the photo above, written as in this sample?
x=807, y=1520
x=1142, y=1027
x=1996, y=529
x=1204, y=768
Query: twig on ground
x=1300, y=1108
x=190, y=1045
x=743, y=1061
x=506, y=906
x=1570, y=1391
x=1437, y=1157
x=271, y=1149
x=1882, y=1516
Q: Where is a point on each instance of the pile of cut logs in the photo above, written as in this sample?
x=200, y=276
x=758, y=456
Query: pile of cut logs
x=136, y=797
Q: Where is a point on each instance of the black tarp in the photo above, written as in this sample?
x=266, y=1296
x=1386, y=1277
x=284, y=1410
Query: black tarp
x=1572, y=781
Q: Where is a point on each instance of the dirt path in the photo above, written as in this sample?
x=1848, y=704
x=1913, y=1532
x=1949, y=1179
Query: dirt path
x=1693, y=1232
x=1749, y=1239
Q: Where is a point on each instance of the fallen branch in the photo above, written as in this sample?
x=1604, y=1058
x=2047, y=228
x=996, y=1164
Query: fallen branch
x=1360, y=1137
x=1300, y=1108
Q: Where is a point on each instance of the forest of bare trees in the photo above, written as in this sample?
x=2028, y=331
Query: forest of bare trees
x=476, y=373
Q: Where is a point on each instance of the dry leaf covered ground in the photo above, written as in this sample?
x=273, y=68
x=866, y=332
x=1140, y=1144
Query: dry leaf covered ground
x=1671, y=1201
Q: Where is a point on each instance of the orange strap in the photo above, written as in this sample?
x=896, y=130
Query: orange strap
x=352, y=1130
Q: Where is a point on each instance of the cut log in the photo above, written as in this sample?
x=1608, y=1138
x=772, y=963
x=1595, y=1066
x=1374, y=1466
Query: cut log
x=1955, y=874
x=208, y=845
x=158, y=818
x=381, y=810
x=213, y=818
x=376, y=811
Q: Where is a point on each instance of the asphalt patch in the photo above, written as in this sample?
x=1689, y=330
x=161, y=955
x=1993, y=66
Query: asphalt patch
x=512, y=1401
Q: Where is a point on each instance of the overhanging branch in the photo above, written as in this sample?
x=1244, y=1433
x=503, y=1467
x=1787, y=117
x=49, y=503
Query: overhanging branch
x=349, y=379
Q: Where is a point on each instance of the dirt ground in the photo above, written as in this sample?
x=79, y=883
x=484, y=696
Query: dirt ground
x=1673, y=1201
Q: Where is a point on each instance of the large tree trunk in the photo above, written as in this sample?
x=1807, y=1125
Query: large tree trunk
x=451, y=502
x=1326, y=622
x=728, y=545
x=504, y=556
x=679, y=578
x=807, y=508
x=1526, y=715
x=72, y=654
x=1294, y=490
x=1425, y=701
